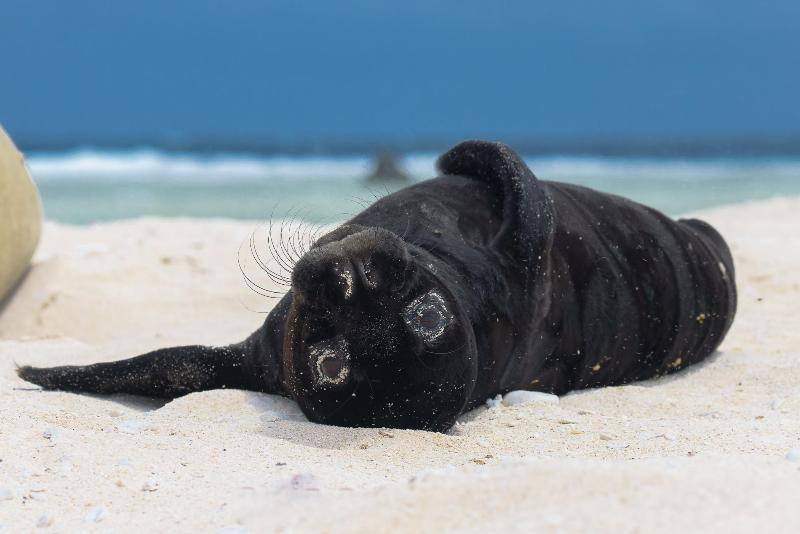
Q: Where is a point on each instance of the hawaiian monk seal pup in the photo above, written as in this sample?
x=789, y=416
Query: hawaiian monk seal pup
x=452, y=290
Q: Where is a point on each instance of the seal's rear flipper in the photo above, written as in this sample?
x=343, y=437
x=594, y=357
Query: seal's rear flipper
x=527, y=212
x=164, y=373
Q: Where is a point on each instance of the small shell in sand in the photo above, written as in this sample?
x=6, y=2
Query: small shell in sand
x=793, y=455
x=513, y=398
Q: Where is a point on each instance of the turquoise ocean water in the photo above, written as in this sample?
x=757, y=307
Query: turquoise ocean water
x=85, y=186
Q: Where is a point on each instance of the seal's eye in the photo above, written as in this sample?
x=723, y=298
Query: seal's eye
x=430, y=319
x=428, y=316
x=331, y=361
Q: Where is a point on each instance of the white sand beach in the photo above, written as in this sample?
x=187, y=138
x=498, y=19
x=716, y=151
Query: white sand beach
x=716, y=447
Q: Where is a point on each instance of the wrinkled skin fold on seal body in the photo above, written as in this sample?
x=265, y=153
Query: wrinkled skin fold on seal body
x=478, y=282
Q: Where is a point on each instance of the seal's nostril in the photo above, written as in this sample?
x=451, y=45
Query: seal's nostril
x=365, y=274
x=340, y=281
x=332, y=367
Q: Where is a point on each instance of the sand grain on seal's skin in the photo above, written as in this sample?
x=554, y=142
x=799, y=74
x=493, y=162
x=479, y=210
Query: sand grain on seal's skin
x=707, y=449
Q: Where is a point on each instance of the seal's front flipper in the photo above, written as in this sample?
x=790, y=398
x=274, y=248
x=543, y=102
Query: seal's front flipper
x=164, y=373
x=526, y=208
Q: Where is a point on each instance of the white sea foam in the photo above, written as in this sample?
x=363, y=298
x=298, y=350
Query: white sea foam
x=145, y=165
x=561, y=167
x=150, y=164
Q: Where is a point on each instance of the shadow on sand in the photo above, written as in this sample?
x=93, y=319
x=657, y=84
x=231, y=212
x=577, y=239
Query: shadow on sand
x=282, y=419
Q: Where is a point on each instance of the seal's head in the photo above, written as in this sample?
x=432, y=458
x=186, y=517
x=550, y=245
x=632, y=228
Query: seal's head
x=376, y=337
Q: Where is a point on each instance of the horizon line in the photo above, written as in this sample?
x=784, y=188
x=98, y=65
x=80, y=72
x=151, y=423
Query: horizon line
x=687, y=146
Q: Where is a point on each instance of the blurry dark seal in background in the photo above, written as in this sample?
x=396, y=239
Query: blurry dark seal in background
x=387, y=169
x=452, y=290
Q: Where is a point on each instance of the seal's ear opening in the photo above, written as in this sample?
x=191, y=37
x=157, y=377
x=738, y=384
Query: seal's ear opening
x=164, y=373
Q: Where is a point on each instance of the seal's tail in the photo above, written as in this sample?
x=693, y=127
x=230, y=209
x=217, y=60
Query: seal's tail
x=164, y=373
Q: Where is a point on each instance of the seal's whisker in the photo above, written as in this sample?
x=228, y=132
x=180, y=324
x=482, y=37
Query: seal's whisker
x=294, y=226
x=296, y=244
x=254, y=252
x=251, y=284
x=256, y=288
x=315, y=232
x=285, y=241
x=360, y=201
x=293, y=246
x=248, y=308
x=271, y=246
x=282, y=241
x=260, y=293
x=264, y=267
x=309, y=233
x=316, y=235
x=302, y=236
x=275, y=277
x=345, y=215
x=374, y=194
x=296, y=241
x=275, y=252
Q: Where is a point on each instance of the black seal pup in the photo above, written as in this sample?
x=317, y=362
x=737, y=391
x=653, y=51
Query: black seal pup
x=455, y=289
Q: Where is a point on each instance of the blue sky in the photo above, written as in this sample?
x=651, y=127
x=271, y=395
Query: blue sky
x=399, y=70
